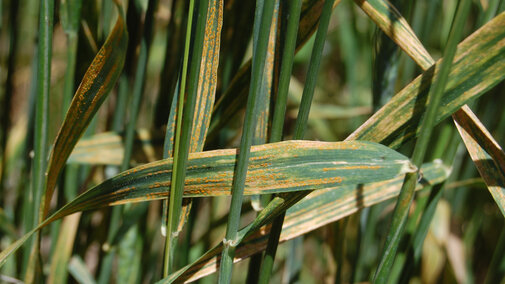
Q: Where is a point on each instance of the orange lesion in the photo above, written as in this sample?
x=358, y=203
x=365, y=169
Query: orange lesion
x=356, y=167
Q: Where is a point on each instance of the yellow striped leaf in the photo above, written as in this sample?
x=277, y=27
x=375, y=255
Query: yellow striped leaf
x=288, y=166
x=98, y=80
x=317, y=209
x=477, y=67
x=485, y=152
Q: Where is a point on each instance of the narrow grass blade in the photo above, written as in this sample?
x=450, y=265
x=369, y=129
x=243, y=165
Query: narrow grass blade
x=293, y=15
x=64, y=246
x=42, y=101
x=485, y=152
x=315, y=61
x=317, y=209
x=265, y=90
x=207, y=83
x=183, y=136
x=41, y=137
x=477, y=67
x=95, y=86
x=274, y=168
x=401, y=211
x=293, y=9
x=70, y=15
x=239, y=179
x=300, y=125
x=263, y=100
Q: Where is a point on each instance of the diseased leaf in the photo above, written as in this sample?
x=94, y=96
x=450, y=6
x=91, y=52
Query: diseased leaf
x=317, y=209
x=485, y=152
x=264, y=94
x=477, y=67
x=99, y=79
x=273, y=168
x=208, y=75
x=205, y=98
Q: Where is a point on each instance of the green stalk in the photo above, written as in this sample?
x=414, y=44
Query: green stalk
x=41, y=126
x=260, y=135
x=406, y=196
x=288, y=54
x=70, y=19
x=181, y=88
x=70, y=14
x=183, y=131
x=426, y=205
x=431, y=201
x=26, y=182
x=301, y=120
x=245, y=145
x=315, y=62
x=42, y=109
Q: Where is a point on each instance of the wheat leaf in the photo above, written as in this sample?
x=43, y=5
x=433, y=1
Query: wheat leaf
x=485, y=152
x=96, y=84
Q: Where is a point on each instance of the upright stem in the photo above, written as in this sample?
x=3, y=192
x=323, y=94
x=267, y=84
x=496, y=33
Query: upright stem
x=42, y=105
x=183, y=130
x=406, y=196
x=288, y=55
x=41, y=126
x=245, y=145
x=301, y=121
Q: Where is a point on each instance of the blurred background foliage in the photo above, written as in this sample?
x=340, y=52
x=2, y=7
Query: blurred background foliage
x=361, y=70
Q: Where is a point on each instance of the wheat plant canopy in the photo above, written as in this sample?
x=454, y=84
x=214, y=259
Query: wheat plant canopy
x=478, y=67
x=274, y=168
x=317, y=209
